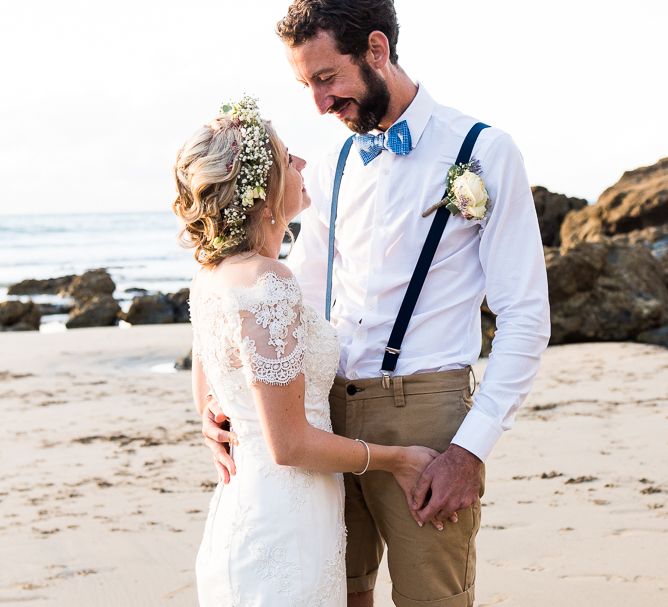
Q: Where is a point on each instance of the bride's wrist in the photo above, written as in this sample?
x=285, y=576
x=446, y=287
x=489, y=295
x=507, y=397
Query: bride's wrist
x=396, y=458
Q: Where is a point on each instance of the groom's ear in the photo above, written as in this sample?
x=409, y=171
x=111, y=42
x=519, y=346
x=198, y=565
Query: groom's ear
x=379, y=50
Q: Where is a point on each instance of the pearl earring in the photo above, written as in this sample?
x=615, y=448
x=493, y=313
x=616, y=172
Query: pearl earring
x=273, y=221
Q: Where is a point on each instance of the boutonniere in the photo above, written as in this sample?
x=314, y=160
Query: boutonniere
x=465, y=192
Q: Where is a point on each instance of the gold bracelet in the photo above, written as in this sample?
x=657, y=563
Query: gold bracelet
x=368, y=457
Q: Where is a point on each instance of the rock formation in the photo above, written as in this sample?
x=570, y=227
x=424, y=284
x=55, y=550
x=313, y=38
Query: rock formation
x=635, y=209
x=19, y=316
x=551, y=209
x=150, y=310
x=96, y=311
x=48, y=286
x=159, y=309
x=95, y=305
x=90, y=284
x=604, y=292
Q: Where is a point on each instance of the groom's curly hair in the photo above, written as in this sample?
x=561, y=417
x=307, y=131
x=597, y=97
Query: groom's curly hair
x=349, y=21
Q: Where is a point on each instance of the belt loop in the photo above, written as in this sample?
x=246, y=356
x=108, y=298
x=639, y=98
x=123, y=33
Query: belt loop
x=398, y=385
x=475, y=382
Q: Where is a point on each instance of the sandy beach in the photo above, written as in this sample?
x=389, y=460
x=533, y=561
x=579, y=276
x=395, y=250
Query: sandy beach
x=105, y=482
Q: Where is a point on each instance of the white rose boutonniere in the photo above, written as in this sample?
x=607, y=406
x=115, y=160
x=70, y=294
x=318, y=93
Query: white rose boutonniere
x=470, y=196
x=465, y=193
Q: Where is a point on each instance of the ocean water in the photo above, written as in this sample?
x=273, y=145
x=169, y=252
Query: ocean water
x=140, y=250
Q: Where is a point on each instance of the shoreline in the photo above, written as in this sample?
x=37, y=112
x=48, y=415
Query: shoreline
x=105, y=481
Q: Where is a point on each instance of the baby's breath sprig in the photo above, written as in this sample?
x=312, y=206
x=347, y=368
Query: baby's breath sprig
x=255, y=159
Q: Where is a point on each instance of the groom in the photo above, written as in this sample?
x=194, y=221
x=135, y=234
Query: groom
x=344, y=52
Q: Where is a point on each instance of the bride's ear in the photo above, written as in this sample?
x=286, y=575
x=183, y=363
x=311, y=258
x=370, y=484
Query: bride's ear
x=267, y=215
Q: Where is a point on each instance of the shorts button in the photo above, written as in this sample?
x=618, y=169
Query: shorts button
x=352, y=389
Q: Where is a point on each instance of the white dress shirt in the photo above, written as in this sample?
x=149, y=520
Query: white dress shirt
x=379, y=235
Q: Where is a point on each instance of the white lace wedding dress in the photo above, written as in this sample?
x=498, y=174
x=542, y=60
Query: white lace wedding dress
x=275, y=535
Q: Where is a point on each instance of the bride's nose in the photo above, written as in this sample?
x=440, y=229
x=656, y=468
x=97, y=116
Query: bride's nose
x=299, y=163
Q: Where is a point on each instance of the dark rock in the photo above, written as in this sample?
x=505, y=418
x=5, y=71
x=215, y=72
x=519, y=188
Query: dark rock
x=159, y=309
x=49, y=308
x=136, y=291
x=48, y=286
x=96, y=311
x=638, y=201
x=185, y=363
x=604, y=292
x=551, y=209
x=19, y=316
x=150, y=310
x=91, y=284
x=657, y=337
x=179, y=301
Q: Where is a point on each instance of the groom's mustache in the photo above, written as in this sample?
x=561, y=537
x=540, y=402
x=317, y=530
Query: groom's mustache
x=338, y=105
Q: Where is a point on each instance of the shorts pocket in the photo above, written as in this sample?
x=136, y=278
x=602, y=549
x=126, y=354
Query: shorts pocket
x=433, y=419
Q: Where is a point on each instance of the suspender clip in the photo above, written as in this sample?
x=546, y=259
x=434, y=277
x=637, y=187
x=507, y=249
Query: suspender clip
x=385, y=382
x=396, y=351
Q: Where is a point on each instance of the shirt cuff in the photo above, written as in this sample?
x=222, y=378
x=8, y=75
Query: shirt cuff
x=478, y=434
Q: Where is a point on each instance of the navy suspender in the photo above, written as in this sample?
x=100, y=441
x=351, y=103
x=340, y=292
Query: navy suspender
x=416, y=283
x=393, y=348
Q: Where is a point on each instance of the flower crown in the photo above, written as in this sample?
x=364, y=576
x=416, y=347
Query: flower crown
x=255, y=158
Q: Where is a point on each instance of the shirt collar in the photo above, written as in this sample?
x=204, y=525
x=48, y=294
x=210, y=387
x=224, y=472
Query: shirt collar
x=417, y=114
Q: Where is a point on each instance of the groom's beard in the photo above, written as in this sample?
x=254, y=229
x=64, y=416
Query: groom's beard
x=372, y=107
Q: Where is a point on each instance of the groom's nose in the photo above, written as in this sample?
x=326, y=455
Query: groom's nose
x=322, y=101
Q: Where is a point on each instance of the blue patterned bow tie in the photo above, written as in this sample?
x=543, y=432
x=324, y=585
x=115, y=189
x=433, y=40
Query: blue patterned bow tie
x=397, y=140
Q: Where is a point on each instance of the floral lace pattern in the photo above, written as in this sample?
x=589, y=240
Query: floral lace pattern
x=277, y=312
x=256, y=535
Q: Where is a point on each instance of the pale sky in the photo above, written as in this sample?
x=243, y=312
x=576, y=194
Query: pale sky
x=98, y=96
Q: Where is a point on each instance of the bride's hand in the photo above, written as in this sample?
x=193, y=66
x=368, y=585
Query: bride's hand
x=410, y=464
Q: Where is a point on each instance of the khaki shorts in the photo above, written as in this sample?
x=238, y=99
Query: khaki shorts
x=429, y=568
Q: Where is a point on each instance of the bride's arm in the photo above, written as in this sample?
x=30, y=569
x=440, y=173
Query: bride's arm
x=293, y=441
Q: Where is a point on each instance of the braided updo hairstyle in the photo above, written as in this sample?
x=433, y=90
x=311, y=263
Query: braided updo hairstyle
x=206, y=170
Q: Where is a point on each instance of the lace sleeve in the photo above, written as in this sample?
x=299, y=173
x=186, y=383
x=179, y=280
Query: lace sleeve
x=273, y=332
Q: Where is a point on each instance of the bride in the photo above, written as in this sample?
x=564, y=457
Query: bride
x=274, y=535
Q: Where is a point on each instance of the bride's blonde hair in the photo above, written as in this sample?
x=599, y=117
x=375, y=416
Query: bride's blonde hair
x=206, y=170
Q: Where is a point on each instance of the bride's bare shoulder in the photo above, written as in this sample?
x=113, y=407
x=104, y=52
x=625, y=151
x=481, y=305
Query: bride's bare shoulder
x=248, y=272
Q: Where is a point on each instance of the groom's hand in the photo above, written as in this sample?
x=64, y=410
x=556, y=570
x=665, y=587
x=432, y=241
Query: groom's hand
x=217, y=436
x=454, y=480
